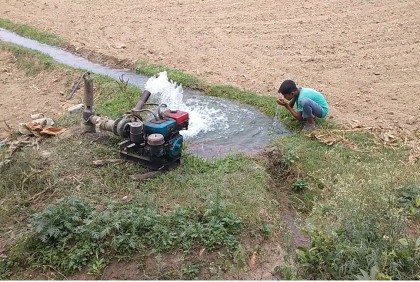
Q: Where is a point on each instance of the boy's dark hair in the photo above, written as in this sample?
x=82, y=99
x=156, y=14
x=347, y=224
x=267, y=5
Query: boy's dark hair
x=287, y=87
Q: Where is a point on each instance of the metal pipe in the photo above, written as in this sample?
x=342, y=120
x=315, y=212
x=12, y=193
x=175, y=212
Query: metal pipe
x=103, y=123
x=159, y=110
x=87, y=125
x=142, y=101
x=88, y=91
x=149, y=111
x=75, y=87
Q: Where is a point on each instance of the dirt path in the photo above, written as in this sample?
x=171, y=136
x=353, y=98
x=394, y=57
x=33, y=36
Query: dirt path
x=364, y=55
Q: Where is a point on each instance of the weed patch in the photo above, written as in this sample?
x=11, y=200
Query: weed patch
x=70, y=234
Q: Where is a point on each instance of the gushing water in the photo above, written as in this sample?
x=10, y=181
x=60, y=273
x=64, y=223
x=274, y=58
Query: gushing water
x=202, y=117
x=217, y=127
x=276, y=117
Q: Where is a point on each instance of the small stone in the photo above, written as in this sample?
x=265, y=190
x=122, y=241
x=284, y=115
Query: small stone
x=119, y=46
x=75, y=108
x=44, y=121
x=37, y=116
x=411, y=120
x=22, y=129
x=45, y=154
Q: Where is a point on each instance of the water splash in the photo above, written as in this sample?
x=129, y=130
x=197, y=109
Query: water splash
x=276, y=117
x=203, y=117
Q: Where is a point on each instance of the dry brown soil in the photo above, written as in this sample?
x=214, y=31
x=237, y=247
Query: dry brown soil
x=22, y=95
x=362, y=54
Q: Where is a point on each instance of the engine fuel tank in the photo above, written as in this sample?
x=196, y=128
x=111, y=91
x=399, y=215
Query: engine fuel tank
x=178, y=116
x=164, y=127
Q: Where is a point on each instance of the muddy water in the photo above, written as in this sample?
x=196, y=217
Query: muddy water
x=217, y=126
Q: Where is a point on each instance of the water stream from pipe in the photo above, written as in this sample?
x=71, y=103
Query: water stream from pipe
x=217, y=127
x=276, y=117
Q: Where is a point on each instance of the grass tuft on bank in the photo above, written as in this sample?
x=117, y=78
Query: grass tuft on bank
x=31, y=32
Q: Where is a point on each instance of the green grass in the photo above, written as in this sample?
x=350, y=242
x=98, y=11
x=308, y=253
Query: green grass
x=30, y=61
x=30, y=32
x=356, y=219
x=178, y=200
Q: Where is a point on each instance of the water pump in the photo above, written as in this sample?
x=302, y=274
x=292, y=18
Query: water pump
x=155, y=143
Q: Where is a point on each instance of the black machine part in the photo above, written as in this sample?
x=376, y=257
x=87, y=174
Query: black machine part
x=136, y=132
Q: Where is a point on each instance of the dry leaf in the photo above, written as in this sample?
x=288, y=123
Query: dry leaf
x=414, y=155
x=330, y=138
x=52, y=131
x=145, y=176
x=252, y=260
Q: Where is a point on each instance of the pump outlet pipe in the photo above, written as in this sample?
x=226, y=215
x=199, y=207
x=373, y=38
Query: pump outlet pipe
x=142, y=101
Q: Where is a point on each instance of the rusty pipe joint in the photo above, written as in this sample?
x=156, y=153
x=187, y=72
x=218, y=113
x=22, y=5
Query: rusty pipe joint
x=103, y=123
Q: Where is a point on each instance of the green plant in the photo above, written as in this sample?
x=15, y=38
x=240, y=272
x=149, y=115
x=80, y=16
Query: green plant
x=122, y=84
x=190, y=271
x=285, y=272
x=373, y=274
x=69, y=233
x=299, y=185
x=220, y=228
x=289, y=157
x=97, y=267
x=334, y=255
x=61, y=221
x=5, y=268
x=266, y=229
x=409, y=199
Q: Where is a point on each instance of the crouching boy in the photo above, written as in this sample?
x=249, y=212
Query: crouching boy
x=310, y=103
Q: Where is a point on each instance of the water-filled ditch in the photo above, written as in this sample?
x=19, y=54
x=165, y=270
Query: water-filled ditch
x=217, y=126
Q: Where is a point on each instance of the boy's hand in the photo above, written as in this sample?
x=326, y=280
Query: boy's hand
x=282, y=102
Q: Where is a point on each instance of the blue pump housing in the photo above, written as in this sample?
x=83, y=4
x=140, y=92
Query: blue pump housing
x=175, y=146
x=164, y=127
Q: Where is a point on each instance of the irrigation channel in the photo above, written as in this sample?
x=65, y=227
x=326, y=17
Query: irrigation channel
x=217, y=126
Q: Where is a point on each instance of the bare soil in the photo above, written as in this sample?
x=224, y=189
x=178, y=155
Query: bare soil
x=22, y=95
x=363, y=55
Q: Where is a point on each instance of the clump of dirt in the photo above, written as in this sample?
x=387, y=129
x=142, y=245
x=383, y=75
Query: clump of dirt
x=101, y=58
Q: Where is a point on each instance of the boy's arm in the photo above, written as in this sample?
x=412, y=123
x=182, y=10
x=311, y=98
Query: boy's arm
x=292, y=102
x=295, y=114
x=284, y=103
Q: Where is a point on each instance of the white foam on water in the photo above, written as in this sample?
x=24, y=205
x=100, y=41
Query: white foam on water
x=203, y=118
